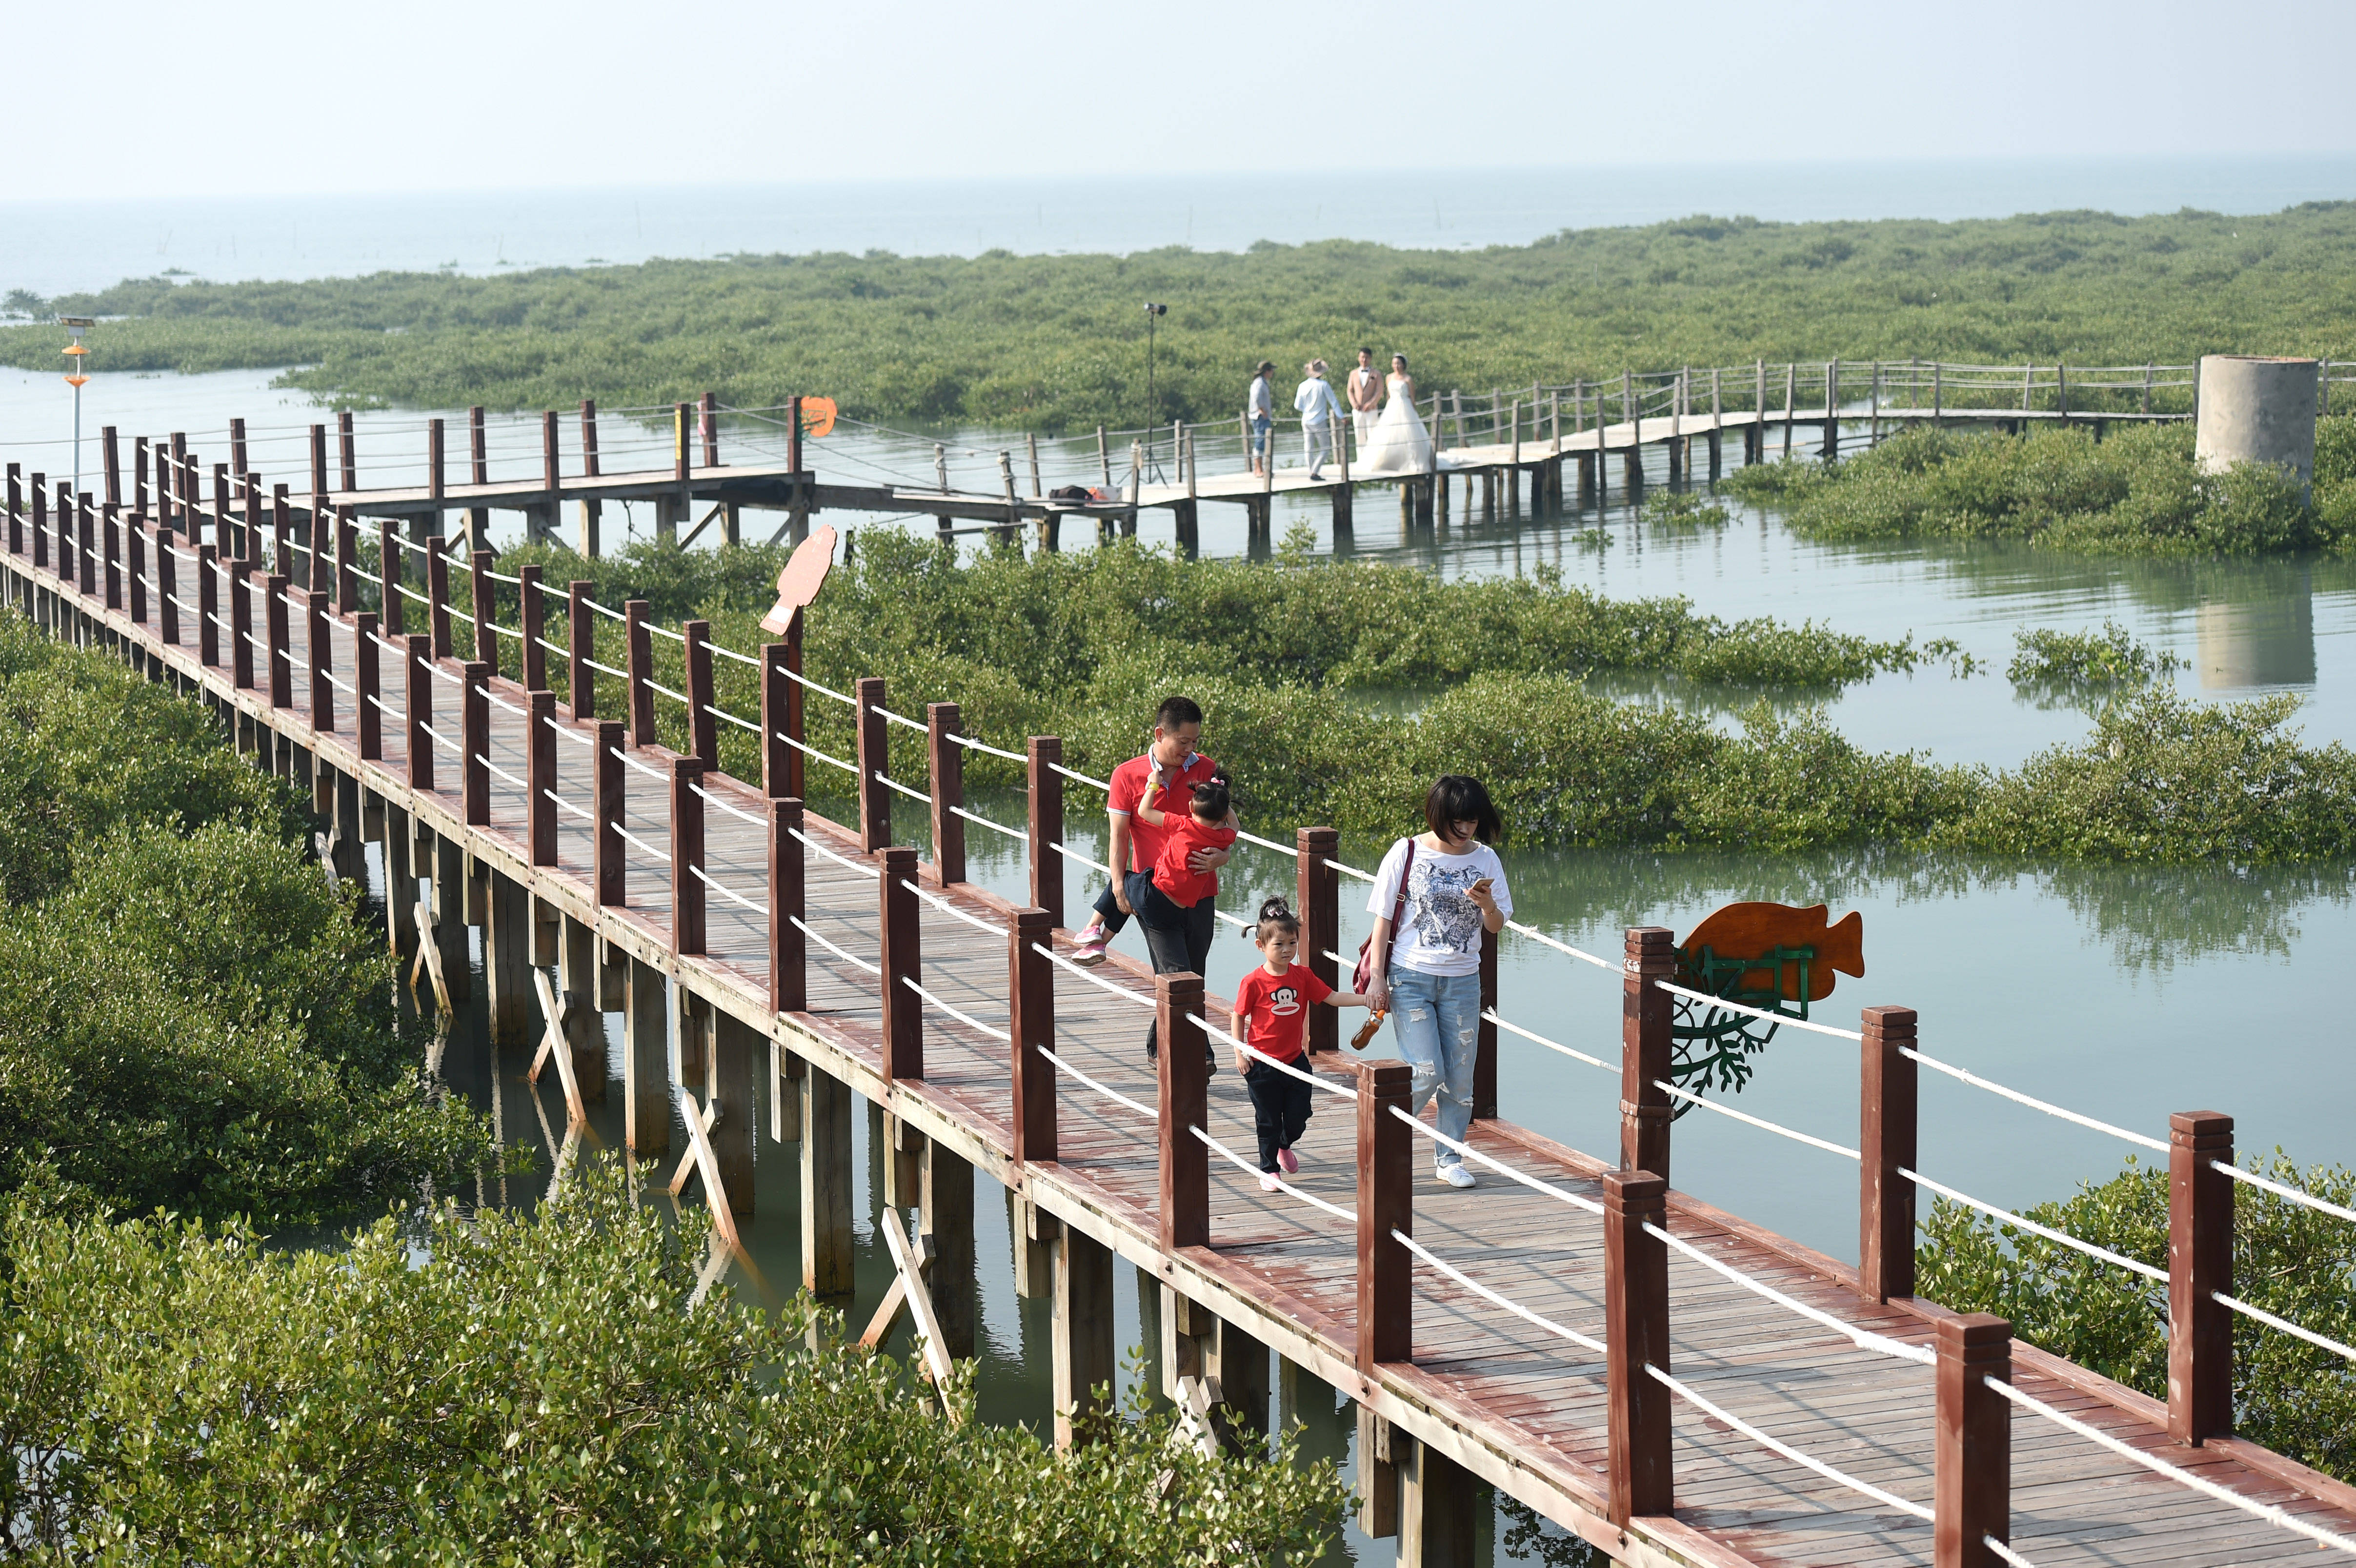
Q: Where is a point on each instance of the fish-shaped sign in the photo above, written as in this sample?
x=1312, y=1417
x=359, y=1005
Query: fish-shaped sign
x=1756, y=930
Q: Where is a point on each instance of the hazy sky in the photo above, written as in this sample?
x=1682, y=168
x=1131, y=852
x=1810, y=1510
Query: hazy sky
x=139, y=97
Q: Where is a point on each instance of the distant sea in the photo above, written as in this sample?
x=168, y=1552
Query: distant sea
x=54, y=247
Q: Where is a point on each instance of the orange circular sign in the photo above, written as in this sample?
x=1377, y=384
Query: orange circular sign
x=817, y=417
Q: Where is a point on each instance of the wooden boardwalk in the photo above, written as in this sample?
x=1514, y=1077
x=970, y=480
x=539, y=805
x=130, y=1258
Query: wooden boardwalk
x=1481, y=1392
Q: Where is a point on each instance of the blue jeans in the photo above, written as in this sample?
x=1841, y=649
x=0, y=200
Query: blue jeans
x=1437, y=1020
x=1260, y=426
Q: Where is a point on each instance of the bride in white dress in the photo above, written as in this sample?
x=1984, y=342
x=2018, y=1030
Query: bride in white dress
x=1400, y=445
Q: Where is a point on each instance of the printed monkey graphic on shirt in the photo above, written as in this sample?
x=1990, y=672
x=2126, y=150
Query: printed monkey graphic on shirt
x=1284, y=1000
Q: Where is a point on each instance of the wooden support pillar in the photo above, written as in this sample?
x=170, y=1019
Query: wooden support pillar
x=1436, y=1517
x=945, y=1218
x=1034, y=1232
x=1181, y=1064
x=506, y=961
x=1379, y=1487
x=946, y=766
x=828, y=1254
x=1317, y=895
x=1183, y=1327
x=646, y=1062
x=584, y=1028
x=1239, y=1361
x=400, y=883
x=1045, y=755
x=1886, y=1140
x=728, y=1084
x=874, y=759
x=1087, y=1339
x=1636, y=1336
x=1644, y=1014
x=1972, y=1461
x=2200, y=1269
x=450, y=918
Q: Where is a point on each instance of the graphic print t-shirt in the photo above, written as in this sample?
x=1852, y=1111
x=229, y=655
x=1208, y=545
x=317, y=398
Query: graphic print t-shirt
x=1277, y=1006
x=1440, y=929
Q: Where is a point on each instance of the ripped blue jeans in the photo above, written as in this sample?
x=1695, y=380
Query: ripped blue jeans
x=1437, y=1020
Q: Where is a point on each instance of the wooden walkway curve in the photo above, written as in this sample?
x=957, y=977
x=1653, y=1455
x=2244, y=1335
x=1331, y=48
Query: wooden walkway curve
x=1470, y=1391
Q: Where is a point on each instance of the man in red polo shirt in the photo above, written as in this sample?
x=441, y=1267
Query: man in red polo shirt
x=1137, y=844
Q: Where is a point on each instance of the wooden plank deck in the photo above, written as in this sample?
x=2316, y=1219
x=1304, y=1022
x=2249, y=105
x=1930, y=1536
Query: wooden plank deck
x=1512, y=1403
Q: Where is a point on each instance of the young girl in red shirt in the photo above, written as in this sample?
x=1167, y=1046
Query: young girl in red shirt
x=1271, y=1009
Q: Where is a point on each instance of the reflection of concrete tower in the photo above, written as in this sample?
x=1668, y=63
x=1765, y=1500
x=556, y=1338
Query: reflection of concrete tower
x=2270, y=642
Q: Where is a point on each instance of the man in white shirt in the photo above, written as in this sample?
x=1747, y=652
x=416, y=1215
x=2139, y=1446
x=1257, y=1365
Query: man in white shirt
x=1259, y=414
x=1318, y=413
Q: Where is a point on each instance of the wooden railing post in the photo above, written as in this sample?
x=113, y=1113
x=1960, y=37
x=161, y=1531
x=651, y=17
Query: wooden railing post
x=1484, y=1055
x=607, y=807
x=1031, y=981
x=1972, y=1462
x=15, y=509
x=418, y=703
x=552, y=471
x=531, y=623
x=581, y=642
x=89, y=544
x=111, y=457
x=708, y=409
x=208, y=605
x=1636, y=1336
x=2200, y=1268
x=1317, y=898
x=347, y=457
x=1046, y=755
x=904, y=1015
x=788, y=949
x=702, y=729
x=1386, y=1203
x=348, y=562
x=391, y=601
x=168, y=586
x=641, y=668
x=687, y=900
x=319, y=461
x=322, y=573
x=1886, y=1141
x=240, y=623
x=323, y=691
x=873, y=756
x=484, y=606
x=135, y=545
x=1181, y=1064
x=438, y=598
x=540, y=773
x=946, y=769
x=41, y=520
x=781, y=712
x=277, y=641
x=112, y=525
x=474, y=741
x=368, y=718
x=282, y=530
x=1645, y=1013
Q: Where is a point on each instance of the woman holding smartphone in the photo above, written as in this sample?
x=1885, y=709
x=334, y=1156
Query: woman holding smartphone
x=1435, y=896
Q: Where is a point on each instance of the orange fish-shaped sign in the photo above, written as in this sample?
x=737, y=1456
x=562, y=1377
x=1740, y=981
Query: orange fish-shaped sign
x=1754, y=930
x=804, y=575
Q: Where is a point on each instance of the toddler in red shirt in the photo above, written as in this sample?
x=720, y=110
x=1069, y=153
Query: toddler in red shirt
x=1209, y=825
x=1271, y=1011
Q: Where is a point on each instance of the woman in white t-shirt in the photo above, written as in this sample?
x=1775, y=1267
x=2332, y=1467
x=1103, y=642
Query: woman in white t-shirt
x=1427, y=949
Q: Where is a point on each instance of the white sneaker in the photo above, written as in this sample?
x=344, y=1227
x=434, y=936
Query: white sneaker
x=1456, y=1175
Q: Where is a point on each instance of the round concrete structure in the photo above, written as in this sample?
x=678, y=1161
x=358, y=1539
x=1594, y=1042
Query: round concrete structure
x=2254, y=409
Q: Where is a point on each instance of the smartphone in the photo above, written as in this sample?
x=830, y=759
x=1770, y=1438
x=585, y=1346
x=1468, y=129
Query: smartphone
x=1482, y=886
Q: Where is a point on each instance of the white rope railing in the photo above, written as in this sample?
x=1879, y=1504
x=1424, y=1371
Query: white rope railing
x=725, y=892
x=628, y=761
x=890, y=783
x=860, y=866
x=569, y=806
x=2267, y=1512
x=2291, y=1193
x=1516, y=1309
x=1692, y=1098
x=1311, y=1078
x=1068, y=853
x=1977, y=1081
x=681, y=698
x=1723, y=1003
x=1490, y=1014
x=1351, y=871
x=710, y=798
x=726, y=652
x=496, y=771
x=660, y=854
x=1468, y=1152
x=1078, y=778
x=1347, y=1216
x=1537, y=936
x=2271, y=1321
x=1018, y=834
x=994, y=751
x=884, y=712
x=1002, y=1037
x=1093, y=979
x=1864, y=1338
x=723, y=713
x=850, y=768
x=1887, y=1499
x=1113, y=1094
x=946, y=908
x=2009, y=1217
x=848, y=957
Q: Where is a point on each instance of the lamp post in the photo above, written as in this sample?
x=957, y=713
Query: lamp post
x=77, y=378
x=1154, y=313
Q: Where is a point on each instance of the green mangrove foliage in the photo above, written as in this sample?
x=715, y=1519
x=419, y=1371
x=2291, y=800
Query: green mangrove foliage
x=2287, y=1260
x=1085, y=646
x=189, y=1019
x=2045, y=657
x=543, y=1389
x=2137, y=491
x=1057, y=343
